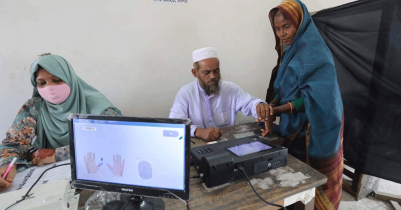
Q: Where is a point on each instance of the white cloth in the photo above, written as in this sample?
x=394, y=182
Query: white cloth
x=215, y=110
x=204, y=53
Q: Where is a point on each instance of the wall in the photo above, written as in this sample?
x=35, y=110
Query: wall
x=138, y=53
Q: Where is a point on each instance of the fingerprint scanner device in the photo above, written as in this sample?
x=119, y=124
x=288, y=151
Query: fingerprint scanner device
x=50, y=196
x=217, y=163
x=146, y=159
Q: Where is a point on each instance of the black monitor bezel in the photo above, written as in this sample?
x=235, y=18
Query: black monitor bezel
x=130, y=189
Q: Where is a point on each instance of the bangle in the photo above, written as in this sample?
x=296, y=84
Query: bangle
x=291, y=106
x=30, y=154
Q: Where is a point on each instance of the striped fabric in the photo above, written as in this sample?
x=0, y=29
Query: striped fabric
x=328, y=196
x=293, y=11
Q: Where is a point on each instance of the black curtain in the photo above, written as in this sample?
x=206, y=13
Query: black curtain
x=365, y=40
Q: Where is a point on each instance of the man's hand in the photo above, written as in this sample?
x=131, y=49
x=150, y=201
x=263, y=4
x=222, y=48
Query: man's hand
x=264, y=111
x=6, y=183
x=208, y=134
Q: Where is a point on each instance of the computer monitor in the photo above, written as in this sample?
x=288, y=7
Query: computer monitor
x=144, y=158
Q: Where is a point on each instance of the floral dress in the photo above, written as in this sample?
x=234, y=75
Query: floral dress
x=21, y=135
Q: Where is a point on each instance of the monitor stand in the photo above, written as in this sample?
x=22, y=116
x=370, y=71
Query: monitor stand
x=135, y=202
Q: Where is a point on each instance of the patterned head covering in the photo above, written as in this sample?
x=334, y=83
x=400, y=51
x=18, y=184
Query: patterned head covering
x=291, y=9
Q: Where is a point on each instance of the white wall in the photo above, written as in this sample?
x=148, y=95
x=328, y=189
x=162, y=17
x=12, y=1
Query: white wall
x=136, y=52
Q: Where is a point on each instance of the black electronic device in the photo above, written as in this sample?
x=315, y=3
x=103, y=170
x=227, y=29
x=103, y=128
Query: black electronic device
x=144, y=158
x=218, y=163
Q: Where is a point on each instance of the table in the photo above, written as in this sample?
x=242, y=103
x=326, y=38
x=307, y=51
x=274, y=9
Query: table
x=294, y=183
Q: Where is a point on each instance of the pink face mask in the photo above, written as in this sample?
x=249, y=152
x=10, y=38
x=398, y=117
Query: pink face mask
x=55, y=94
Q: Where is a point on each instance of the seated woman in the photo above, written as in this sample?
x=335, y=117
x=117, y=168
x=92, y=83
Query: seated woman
x=304, y=92
x=39, y=134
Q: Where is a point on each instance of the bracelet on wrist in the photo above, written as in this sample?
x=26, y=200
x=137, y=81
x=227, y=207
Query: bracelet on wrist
x=291, y=106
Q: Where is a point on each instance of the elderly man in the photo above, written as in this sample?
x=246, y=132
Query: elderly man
x=211, y=103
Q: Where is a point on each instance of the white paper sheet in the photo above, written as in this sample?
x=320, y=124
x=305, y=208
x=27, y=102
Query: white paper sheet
x=29, y=176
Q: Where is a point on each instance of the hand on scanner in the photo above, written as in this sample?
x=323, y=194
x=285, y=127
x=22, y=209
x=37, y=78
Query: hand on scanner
x=265, y=113
x=268, y=126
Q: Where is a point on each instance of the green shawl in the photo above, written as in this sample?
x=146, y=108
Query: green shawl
x=52, y=128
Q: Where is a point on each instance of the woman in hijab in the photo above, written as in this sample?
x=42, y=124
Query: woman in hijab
x=304, y=92
x=39, y=134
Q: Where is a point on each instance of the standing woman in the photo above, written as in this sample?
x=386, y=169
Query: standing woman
x=304, y=92
x=39, y=134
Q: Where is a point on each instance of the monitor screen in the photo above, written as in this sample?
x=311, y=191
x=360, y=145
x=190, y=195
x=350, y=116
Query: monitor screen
x=249, y=148
x=150, y=155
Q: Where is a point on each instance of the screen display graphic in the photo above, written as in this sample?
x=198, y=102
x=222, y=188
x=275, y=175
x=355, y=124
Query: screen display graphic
x=249, y=148
x=130, y=153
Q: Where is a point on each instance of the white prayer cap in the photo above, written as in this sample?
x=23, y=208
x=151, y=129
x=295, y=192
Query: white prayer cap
x=204, y=53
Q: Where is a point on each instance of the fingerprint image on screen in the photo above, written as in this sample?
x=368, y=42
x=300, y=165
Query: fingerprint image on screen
x=249, y=148
x=145, y=170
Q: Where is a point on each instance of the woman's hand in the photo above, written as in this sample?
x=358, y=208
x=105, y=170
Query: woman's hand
x=6, y=183
x=269, y=122
x=274, y=111
x=43, y=156
x=268, y=126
